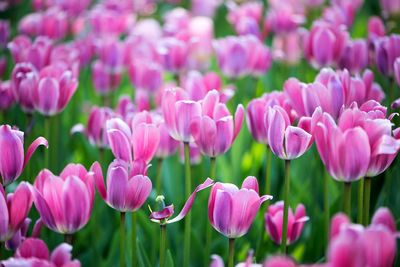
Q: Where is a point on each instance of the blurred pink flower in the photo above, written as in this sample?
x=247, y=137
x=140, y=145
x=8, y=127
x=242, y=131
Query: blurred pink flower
x=231, y=211
x=7, y=98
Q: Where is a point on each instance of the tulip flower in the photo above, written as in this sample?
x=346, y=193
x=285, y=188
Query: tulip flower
x=55, y=89
x=163, y=217
x=173, y=53
x=386, y=53
x=216, y=130
x=280, y=261
x=274, y=218
x=325, y=44
x=24, y=79
x=146, y=75
x=22, y=233
x=34, y=252
x=6, y=95
x=105, y=80
x=14, y=209
x=288, y=47
x=376, y=28
x=231, y=210
x=139, y=143
x=65, y=202
x=4, y=33
x=355, y=56
x=390, y=7
x=12, y=159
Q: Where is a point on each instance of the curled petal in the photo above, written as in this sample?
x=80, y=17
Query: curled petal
x=40, y=141
x=165, y=213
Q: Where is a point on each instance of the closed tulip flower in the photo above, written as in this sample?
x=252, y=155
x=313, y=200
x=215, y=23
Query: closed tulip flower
x=179, y=113
x=173, y=53
x=104, y=79
x=386, y=52
x=24, y=79
x=355, y=56
x=12, y=159
x=286, y=141
x=231, y=210
x=126, y=191
x=6, y=95
x=55, y=89
x=146, y=75
x=34, y=252
x=65, y=202
x=274, y=218
x=14, y=209
x=216, y=130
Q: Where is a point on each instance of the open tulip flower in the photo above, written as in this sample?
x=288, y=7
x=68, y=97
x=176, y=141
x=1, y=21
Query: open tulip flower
x=14, y=208
x=215, y=131
x=274, y=218
x=65, y=202
x=12, y=160
x=231, y=210
x=126, y=191
x=163, y=216
x=34, y=252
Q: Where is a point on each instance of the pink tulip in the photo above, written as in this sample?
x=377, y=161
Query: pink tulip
x=179, y=113
x=4, y=33
x=384, y=217
x=106, y=22
x=376, y=28
x=338, y=221
x=111, y=53
x=173, y=53
x=257, y=111
x=279, y=261
x=138, y=142
x=24, y=79
x=14, y=209
x=200, y=50
x=12, y=159
x=6, y=95
x=231, y=211
x=386, y=52
x=67, y=55
x=215, y=131
x=390, y=7
x=283, y=19
x=34, y=252
x=355, y=56
x=104, y=79
x=288, y=47
x=167, y=145
x=245, y=17
x=286, y=141
x=325, y=44
x=164, y=216
x=274, y=219
x=37, y=53
x=396, y=68
x=19, y=236
x=126, y=191
x=205, y=7
x=65, y=202
x=146, y=75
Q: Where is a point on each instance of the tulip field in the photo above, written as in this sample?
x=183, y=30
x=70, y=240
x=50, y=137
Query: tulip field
x=199, y=133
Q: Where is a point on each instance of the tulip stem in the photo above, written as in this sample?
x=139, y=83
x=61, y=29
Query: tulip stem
x=122, y=241
x=285, y=207
x=231, y=252
x=213, y=171
x=268, y=172
x=159, y=176
x=68, y=238
x=326, y=205
x=347, y=198
x=163, y=238
x=188, y=218
x=361, y=200
x=134, y=233
x=367, y=196
x=47, y=134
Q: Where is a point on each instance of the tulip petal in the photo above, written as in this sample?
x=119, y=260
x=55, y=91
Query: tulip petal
x=61, y=255
x=238, y=121
x=20, y=205
x=137, y=191
x=165, y=213
x=297, y=142
x=222, y=212
x=4, y=218
x=250, y=183
x=117, y=181
x=40, y=141
x=120, y=145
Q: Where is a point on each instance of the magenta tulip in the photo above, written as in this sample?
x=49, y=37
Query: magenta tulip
x=288, y=47
x=386, y=52
x=4, y=32
x=34, y=252
x=24, y=79
x=167, y=145
x=215, y=131
x=12, y=159
x=325, y=44
x=105, y=80
x=376, y=28
x=55, y=89
x=14, y=209
x=179, y=113
x=274, y=219
x=6, y=95
x=390, y=7
x=231, y=210
x=146, y=75
x=163, y=216
x=138, y=143
x=279, y=261
x=355, y=56
x=384, y=218
x=173, y=53
x=65, y=202
x=286, y=141
x=126, y=191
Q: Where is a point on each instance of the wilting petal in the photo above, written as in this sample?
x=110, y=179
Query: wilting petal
x=165, y=213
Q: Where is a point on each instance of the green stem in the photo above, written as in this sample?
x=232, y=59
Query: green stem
x=361, y=200
x=159, y=176
x=48, y=137
x=347, y=198
x=367, y=196
x=268, y=171
x=68, y=238
x=231, y=252
x=285, y=207
x=326, y=206
x=122, y=241
x=213, y=170
x=163, y=237
x=188, y=218
x=134, y=233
